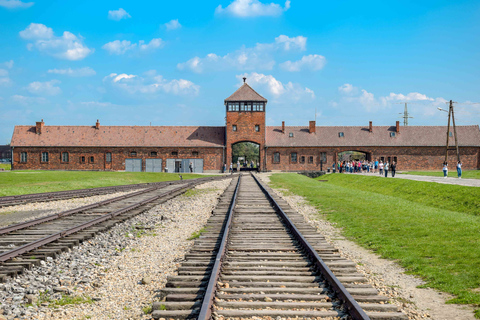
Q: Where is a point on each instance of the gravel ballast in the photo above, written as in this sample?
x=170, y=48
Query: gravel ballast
x=117, y=273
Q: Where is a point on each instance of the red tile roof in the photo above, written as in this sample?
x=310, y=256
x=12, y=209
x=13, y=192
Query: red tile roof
x=119, y=136
x=410, y=136
x=245, y=93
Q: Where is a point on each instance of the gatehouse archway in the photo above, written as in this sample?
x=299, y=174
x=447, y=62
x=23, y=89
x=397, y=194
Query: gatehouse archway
x=246, y=156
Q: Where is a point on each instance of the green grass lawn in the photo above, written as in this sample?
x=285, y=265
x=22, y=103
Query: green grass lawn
x=432, y=230
x=466, y=174
x=5, y=166
x=24, y=182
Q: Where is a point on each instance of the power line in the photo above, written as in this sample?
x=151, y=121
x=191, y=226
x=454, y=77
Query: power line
x=405, y=114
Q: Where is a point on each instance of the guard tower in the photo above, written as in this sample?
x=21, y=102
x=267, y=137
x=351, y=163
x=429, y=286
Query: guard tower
x=245, y=121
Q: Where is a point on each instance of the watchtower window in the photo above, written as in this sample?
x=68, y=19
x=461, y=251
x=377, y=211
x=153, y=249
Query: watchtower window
x=248, y=107
x=234, y=127
x=257, y=128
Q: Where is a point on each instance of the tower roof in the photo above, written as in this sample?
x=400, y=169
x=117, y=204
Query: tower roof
x=245, y=93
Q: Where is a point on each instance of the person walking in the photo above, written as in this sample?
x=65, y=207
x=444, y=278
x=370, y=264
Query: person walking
x=231, y=168
x=386, y=169
x=393, y=168
x=380, y=167
x=190, y=166
x=459, y=169
x=224, y=168
x=445, y=170
x=375, y=167
x=238, y=166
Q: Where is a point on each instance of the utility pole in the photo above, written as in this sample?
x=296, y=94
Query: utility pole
x=451, y=114
x=405, y=115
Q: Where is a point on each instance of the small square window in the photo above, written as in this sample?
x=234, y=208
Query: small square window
x=44, y=156
x=276, y=157
x=341, y=134
x=175, y=153
x=395, y=159
x=195, y=153
x=393, y=134
x=257, y=128
x=310, y=159
x=108, y=157
x=64, y=156
x=450, y=134
x=92, y=159
x=290, y=134
x=234, y=127
x=302, y=159
x=293, y=157
x=23, y=157
x=133, y=153
x=82, y=159
x=153, y=154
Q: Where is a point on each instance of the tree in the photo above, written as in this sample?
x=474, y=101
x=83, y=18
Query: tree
x=249, y=150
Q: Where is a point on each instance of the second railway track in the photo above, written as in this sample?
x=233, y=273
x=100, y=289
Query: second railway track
x=259, y=258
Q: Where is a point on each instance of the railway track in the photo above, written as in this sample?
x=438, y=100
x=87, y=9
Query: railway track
x=24, y=245
x=80, y=193
x=259, y=258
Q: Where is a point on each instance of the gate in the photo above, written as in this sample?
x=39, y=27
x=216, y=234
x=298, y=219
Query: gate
x=153, y=165
x=133, y=165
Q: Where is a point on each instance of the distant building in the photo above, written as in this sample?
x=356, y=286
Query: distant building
x=281, y=148
x=5, y=153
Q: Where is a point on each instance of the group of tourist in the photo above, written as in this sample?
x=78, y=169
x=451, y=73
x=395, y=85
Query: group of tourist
x=459, y=170
x=365, y=166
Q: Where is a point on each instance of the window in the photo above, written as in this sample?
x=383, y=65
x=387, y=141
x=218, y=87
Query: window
x=341, y=134
x=133, y=153
x=323, y=157
x=389, y=159
x=257, y=128
x=392, y=134
x=92, y=159
x=175, y=153
x=82, y=159
x=302, y=159
x=293, y=157
x=230, y=107
x=234, y=127
x=310, y=159
x=64, y=156
x=290, y=134
x=108, y=157
x=260, y=107
x=276, y=157
x=395, y=159
x=248, y=107
x=153, y=154
x=44, y=156
x=23, y=157
x=382, y=159
x=450, y=134
x=242, y=106
x=195, y=153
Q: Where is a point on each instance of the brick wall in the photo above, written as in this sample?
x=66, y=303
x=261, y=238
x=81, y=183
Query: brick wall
x=212, y=157
x=245, y=122
x=408, y=158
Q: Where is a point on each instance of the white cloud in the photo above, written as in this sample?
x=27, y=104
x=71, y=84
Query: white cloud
x=412, y=96
x=82, y=72
x=96, y=104
x=295, y=43
x=252, y=8
x=28, y=101
x=8, y=64
x=44, y=88
x=347, y=88
x=256, y=58
x=151, y=84
x=4, y=79
x=118, y=15
x=173, y=24
x=68, y=46
x=268, y=83
x=312, y=62
x=3, y=73
x=121, y=47
x=14, y=4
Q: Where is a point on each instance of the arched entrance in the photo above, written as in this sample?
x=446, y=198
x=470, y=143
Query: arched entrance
x=246, y=156
x=354, y=155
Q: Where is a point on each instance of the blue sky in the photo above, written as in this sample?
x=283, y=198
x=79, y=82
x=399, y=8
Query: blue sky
x=173, y=63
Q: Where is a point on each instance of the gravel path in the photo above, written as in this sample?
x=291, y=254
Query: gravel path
x=29, y=211
x=385, y=275
x=119, y=271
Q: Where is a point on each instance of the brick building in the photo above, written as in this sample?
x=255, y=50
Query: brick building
x=206, y=149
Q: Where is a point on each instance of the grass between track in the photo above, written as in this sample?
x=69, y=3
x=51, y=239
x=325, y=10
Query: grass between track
x=24, y=182
x=432, y=230
x=452, y=173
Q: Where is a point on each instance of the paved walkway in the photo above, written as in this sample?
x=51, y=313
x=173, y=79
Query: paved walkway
x=449, y=180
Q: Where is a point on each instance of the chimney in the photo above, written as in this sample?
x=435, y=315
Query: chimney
x=283, y=126
x=97, y=125
x=370, y=126
x=40, y=126
x=311, y=127
x=397, y=127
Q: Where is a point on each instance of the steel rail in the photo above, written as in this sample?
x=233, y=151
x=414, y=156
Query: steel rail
x=48, y=239
x=26, y=224
x=207, y=304
x=356, y=312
